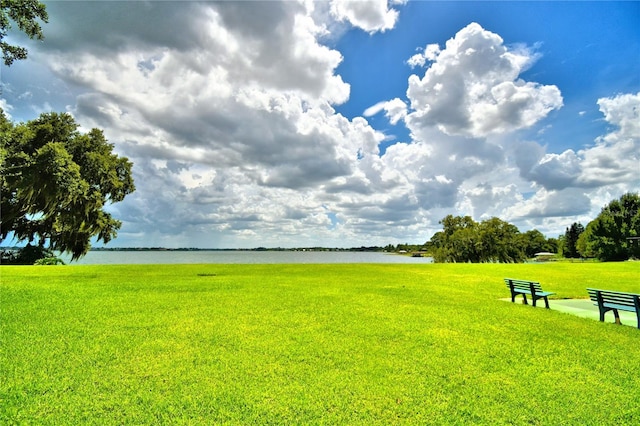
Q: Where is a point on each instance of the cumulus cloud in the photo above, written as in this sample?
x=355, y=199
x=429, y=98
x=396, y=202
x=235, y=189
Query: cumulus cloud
x=622, y=111
x=573, y=186
x=369, y=15
x=395, y=110
x=227, y=105
x=544, y=204
x=272, y=44
x=612, y=159
x=615, y=157
x=486, y=200
x=242, y=136
x=556, y=171
x=473, y=88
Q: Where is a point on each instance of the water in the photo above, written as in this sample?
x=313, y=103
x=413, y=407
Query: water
x=240, y=257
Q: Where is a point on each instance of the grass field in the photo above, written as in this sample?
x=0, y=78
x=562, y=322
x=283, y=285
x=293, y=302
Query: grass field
x=311, y=344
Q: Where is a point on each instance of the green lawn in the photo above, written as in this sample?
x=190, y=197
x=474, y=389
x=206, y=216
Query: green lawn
x=311, y=344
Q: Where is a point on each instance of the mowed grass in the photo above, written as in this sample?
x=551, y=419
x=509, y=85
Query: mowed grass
x=311, y=344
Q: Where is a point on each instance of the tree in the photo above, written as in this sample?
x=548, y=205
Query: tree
x=501, y=242
x=571, y=239
x=464, y=240
x=611, y=235
x=583, y=244
x=25, y=14
x=534, y=241
x=553, y=245
x=56, y=181
x=456, y=242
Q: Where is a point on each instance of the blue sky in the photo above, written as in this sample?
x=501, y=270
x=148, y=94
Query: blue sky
x=345, y=123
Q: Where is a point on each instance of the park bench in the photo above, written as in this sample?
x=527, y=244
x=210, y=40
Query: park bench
x=608, y=300
x=525, y=288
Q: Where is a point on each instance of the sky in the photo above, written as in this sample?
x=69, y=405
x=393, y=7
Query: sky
x=344, y=124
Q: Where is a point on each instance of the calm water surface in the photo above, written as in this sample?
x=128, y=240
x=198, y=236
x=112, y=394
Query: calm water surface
x=167, y=257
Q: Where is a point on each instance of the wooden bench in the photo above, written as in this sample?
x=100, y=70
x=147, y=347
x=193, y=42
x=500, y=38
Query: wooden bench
x=608, y=300
x=525, y=288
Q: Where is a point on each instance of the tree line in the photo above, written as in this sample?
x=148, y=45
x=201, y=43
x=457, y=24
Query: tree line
x=612, y=236
x=493, y=240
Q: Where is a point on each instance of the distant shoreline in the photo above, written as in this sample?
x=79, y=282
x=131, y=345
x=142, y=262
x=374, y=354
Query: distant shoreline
x=316, y=249
x=375, y=249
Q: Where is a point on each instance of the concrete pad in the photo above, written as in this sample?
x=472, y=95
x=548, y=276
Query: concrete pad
x=584, y=308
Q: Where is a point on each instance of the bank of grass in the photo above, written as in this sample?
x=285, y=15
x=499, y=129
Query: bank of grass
x=311, y=344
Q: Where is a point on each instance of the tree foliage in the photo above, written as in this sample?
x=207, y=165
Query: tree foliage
x=571, y=237
x=56, y=181
x=464, y=240
x=612, y=236
x=24, y=13
x=535, y=242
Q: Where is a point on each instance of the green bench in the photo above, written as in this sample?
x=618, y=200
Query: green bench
x=524, y=287
x=608, y=300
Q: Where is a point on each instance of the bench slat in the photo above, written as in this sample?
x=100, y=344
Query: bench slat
x=620, y=307
x=613, y=293
x=626, y=299
x=628, y=303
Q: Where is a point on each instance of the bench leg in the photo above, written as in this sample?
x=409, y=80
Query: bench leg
x=533, y=297
x=615, y=313
x=524, y=299
x=546, y=302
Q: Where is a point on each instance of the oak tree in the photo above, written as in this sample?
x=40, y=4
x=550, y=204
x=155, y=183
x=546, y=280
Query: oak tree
x=55, y=183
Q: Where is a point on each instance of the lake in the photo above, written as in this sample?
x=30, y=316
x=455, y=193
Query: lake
x=240, y=257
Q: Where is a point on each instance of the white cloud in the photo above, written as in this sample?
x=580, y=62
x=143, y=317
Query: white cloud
x=374, y=109
x=430, y=53
x=556, y=171
x=6, y=108
x=395, y=110
x=485, y=200
x=249, y=119
x=369, y=15
x=472, y=88
x=622, y=111
x=613, y=159
x=416, y=60
x=576, y=185
x=544, y=204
